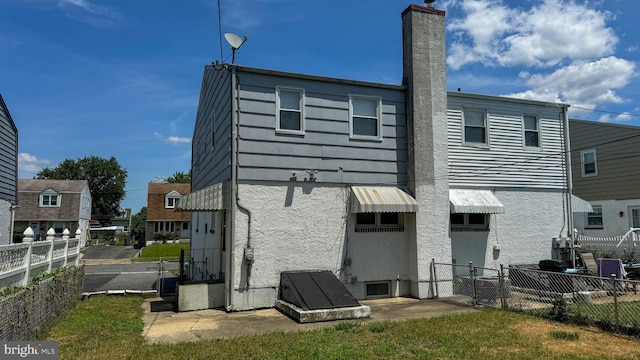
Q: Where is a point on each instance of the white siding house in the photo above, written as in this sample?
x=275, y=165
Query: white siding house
x=371, y=181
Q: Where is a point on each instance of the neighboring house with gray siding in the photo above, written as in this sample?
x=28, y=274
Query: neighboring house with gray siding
x=54, y=204
x=8, y=172
x=606, y=169
x=371, y=181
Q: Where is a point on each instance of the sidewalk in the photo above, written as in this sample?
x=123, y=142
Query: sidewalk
x=162, y=325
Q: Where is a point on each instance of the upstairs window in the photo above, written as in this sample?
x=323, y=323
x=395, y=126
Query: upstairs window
x=589, y=162
x=171, y=199
x=475, y=126
x=50, y=198
x=531, y=131
x=364, y=117
x=290, y=110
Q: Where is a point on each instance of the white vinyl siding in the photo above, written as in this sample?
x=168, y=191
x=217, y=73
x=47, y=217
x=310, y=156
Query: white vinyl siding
x=507, y=163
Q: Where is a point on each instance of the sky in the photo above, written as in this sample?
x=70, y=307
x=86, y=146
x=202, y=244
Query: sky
x=122, y=77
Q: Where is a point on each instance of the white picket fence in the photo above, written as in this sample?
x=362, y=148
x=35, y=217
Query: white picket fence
x=19, y=263
x=620, y=245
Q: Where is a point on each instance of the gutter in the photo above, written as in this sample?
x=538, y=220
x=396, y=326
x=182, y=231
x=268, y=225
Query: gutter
x=567, y=152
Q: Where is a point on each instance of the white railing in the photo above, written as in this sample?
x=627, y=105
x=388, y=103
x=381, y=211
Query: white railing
x=20, y=262
x=628, y=241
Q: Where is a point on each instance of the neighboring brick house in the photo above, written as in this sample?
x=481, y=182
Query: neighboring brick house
x=161, y=217
x=53, y=204
x=8, y=172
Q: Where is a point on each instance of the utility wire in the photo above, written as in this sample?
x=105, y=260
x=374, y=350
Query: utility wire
x=220, y=28
x=605, y=111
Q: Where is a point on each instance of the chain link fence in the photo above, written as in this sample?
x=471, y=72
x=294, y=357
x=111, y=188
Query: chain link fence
x=157, y=278
x=607, y=302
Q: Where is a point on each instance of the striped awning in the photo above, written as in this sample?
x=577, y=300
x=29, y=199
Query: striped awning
x=474, y=202
x=367, y=199
x=579, y=205
x=212, y=198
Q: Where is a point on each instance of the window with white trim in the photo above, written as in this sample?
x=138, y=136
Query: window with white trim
x=469, y=222
x=531, y=130
x=589, y=162
x=50, y=198
x=365, y=117
x=378, y=222
x=594, y=219
x=475, y=126
x=289, y=110
x=171, y=199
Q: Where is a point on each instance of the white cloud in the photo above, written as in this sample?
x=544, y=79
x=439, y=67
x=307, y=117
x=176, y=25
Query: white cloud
x=542, y=36
x=177, y=140
x=87, y=12
x=618, y=118
x=29, y=165
x=585, y=84
x=173, y=140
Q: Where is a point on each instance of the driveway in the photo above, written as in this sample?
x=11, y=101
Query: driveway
x=108, y=254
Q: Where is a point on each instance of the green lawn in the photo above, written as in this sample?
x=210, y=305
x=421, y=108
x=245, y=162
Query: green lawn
x=169, y=252
x=111, y=328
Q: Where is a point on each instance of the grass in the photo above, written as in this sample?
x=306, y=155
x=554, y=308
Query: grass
x=111, y=328
x=168, y=252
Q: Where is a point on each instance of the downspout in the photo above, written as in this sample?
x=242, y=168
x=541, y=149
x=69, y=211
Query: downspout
x=248, y=251
x=567, y=151
x=232, y=197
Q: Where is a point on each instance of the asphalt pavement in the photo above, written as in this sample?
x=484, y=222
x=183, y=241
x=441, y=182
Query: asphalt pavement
x=108, y=252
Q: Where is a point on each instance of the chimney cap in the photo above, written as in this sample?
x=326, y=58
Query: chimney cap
x=429, y=2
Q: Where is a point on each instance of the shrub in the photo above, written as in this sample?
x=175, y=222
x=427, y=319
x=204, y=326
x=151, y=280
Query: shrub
x=163, y=236
x=17, y=237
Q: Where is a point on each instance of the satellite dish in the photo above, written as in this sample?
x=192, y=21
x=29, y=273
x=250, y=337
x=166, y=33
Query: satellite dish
x=236, y=42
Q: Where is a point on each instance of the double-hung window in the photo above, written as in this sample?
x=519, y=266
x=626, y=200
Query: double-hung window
x=589, y=162
x=290, y=110
x=50, y=198
x=365, y=117
x=475, y=127
x=594, y=219
x=531, y=131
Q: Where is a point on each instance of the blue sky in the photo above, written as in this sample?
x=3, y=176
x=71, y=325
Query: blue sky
x=122, y=78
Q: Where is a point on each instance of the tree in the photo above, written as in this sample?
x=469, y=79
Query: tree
x=139, y=220
x=106, y=179
x=180, y=177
